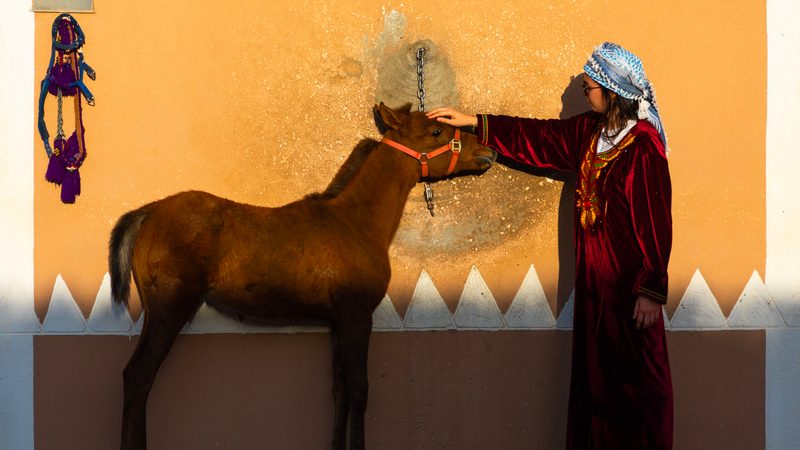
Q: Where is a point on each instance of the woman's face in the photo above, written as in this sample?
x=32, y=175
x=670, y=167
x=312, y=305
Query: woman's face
x=594, y=95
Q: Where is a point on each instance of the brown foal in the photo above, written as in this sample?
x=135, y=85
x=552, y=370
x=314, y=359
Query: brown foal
x=324, y=257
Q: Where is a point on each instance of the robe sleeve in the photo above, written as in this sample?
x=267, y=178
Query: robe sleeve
x=649, y=192
x=548, y=144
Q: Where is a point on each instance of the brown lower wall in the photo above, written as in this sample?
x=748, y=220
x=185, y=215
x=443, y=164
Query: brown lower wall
x=428, y=390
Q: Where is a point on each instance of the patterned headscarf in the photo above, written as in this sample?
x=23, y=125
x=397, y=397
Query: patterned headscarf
x=621, y=72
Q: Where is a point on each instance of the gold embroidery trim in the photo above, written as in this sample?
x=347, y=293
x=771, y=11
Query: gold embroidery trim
x=588, y=198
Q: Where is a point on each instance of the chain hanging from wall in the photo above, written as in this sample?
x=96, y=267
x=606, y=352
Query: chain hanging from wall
x=428, y=195
x=64, y=78
x=422, y=64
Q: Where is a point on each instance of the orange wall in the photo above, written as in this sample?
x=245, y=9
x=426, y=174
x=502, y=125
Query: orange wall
x=261, y=102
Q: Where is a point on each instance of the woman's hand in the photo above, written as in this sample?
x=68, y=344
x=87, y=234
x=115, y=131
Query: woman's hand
x=646, y=312
x=452, y=117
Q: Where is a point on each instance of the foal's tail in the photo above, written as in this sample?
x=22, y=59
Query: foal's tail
x=120, y=253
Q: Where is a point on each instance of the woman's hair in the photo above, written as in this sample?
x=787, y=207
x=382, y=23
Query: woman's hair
x=618, y=112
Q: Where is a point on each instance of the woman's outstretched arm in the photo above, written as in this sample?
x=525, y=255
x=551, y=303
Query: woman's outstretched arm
x=452, y=117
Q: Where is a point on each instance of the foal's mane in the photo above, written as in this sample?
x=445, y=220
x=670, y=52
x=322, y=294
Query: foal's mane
x=348, y=170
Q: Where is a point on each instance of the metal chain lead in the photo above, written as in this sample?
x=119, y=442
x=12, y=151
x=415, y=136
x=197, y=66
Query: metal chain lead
x=421, y=77
x=60, y=126
x=421, y=96
x=429, y=197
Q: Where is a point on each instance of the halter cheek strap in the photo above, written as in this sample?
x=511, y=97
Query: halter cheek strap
x=454, y=146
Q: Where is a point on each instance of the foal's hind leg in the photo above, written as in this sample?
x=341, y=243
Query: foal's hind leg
x=162, y=323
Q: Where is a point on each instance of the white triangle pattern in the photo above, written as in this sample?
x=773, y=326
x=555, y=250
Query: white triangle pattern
x=529, y=309
x=137, y=327
x=698, y=309
x=108, y=316
x=477, y=308
x=17, y=314
x=755, y=308
x=209, y=320
x=385, y=317
x=567, y=315
x=427, y=309
x=63, y=314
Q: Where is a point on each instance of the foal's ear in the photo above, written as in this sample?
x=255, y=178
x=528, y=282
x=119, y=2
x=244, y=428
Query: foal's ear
x=386, y=118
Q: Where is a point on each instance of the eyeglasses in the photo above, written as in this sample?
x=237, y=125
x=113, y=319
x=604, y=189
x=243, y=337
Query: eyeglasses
x=586, y=89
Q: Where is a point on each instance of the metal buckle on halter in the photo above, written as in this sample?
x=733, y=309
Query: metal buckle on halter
x=455, y=146
x=423, y=158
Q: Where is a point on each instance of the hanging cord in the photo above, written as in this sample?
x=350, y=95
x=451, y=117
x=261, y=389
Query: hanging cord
x=428, y=194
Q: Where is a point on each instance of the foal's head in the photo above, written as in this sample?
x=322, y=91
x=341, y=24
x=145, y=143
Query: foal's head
x=442, y=149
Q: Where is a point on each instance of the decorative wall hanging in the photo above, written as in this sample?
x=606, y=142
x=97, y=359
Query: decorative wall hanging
x=64, y=78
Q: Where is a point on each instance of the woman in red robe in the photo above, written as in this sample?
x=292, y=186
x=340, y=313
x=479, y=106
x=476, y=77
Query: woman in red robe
x=621, y=388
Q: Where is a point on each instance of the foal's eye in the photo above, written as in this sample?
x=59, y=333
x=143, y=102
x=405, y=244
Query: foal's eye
x=437, y=132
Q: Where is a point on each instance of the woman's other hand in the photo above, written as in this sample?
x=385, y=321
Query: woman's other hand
x=646, y=312
x=452, y=117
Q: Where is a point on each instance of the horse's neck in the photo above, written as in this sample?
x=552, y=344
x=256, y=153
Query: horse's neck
x=375, y=197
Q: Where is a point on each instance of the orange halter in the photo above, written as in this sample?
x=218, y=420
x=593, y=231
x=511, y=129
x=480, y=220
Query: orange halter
x=454, y=145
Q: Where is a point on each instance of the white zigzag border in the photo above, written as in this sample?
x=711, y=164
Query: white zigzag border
x=476, y=310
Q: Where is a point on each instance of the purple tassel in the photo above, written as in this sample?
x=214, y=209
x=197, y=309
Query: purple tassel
x=71, y=186
x=63, y=167
x=61, y=77
x=55, y=170
x=71, y=155
x=55, y=167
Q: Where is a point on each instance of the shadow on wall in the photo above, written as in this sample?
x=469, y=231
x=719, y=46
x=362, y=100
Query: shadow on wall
x=572, y=104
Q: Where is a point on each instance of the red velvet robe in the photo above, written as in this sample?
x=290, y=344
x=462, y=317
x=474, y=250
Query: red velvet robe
x=621, y=388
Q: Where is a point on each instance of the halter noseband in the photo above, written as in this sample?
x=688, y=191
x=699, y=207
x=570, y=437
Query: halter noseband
x=454, y=145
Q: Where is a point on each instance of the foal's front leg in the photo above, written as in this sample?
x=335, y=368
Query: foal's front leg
x=355, y=348
x=340, y=395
